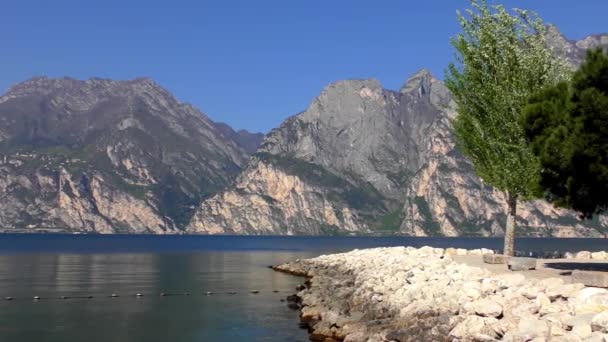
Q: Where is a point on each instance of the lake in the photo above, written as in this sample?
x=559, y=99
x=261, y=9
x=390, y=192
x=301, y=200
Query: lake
x=78, y=266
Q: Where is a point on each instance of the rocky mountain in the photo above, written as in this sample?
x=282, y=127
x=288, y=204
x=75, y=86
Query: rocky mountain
x=109, y=156
x=246, y=140
x=366, y=160
x=574, y=51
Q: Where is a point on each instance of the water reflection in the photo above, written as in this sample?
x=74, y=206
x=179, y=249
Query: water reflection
x=221, y=317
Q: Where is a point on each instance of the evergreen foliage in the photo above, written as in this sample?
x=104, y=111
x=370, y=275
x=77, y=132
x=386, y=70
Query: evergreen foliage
x=567, y=125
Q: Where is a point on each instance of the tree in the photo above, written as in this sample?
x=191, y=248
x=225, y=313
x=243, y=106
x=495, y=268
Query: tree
x=567, y=125
x=501, y=59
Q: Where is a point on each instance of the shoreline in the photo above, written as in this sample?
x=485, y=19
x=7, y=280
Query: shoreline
x=408, y=294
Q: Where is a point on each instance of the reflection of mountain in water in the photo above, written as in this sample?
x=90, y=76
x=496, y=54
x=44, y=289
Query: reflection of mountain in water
x=196, y=317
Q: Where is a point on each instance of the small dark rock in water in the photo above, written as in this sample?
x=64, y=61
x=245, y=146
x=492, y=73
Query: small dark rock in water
x=208, y=293
x=139, y=295
x=8, y=298
x=300, y=287
x=275, y=291
x=162, y=294
x=293, y=298
x=282, y=300
x=89, y=296
x=65, y=297
x=293, y=306
x=255, y=291
x=232, y=292
x=186, y=293
x=114, y=295
x=36, y=298
x=303, y=325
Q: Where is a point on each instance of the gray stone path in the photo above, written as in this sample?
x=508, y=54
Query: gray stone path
x=546, y=268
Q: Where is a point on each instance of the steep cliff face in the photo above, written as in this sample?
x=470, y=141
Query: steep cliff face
x=339, y=166
x=362, y=159
x=107, y=156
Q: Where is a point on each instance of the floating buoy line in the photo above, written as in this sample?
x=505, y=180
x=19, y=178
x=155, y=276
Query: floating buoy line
x=141, y=295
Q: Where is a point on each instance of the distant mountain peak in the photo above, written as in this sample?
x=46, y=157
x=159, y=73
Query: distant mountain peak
x=248, y=141
x=420, y=81
x=46, y=85
x=350, y=84
x=80, y=95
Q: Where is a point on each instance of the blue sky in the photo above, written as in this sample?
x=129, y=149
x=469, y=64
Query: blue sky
x=248, y=63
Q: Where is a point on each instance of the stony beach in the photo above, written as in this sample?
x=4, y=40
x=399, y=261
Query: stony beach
x=408, y=294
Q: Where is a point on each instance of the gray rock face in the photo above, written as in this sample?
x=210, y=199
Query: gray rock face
x=574, y=51
x=363, y=159
x=107, y=156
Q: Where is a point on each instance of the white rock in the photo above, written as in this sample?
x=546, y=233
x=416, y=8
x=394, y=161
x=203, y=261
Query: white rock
x=553, y=308
x=524, y=308
x=569, y=255
x=486, y=251
x=488, y=285
x=566, y=338
x=472, y=289
x=557, y=331
x=530, y=292
x=487, y=308
x=583, y=255
x=550, y=283
x=439, y=251
x=542, y=300
x=470, y=326
x=596, y=337
x=599, y=255
x=582, y=330
x=450, y=251
x=600, y=322
x=590, y=300
x=511, y=279
x=532, y=327
x=461, y=251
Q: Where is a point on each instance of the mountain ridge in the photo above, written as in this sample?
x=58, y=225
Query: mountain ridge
x=362, y=159
x=107, y=156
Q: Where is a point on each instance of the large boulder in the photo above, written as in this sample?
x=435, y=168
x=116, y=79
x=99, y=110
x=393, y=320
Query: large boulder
x=521, y=264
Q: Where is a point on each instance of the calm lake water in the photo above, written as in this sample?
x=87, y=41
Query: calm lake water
x=51, y=266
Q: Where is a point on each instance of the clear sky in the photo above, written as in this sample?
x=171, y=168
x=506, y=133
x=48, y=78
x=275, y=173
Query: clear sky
x=250, y=63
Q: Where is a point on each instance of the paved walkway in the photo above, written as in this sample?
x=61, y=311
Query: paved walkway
x=546, y=268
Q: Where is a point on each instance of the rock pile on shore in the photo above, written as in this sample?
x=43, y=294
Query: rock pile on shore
x=407, y=294
x=586, y=255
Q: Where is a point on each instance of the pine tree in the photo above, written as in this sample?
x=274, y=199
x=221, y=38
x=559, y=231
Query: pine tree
x=567, y=125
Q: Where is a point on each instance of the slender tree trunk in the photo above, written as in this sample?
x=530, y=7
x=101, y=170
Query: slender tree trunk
x=509, y=248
